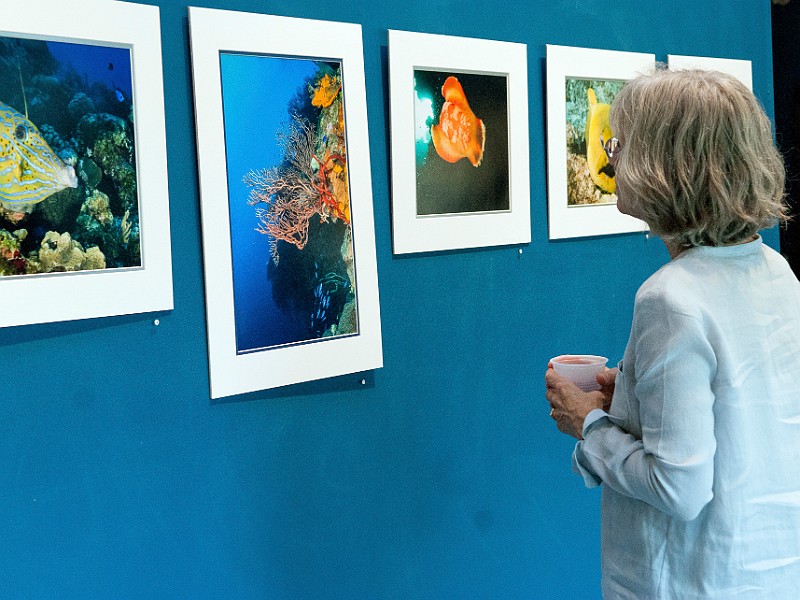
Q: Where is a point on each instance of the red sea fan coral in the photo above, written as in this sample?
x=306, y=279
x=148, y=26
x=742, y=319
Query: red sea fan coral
x=297, y=189
x=288, y=191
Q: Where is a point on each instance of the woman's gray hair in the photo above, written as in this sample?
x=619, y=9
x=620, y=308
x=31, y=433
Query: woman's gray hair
x=697, y=161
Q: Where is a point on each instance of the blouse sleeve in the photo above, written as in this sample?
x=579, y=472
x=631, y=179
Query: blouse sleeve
x=671, y=466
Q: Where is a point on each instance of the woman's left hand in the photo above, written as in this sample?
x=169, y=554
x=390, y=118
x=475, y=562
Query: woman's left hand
x=570, y=404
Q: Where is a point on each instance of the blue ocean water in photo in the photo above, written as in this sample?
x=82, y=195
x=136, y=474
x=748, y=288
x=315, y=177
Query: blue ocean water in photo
x=256, y=92
x=97, y=64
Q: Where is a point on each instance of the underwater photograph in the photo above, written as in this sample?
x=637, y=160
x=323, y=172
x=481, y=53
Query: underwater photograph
x=590, y=177
x=294, y=277
x=68, y=182
x=461, y=142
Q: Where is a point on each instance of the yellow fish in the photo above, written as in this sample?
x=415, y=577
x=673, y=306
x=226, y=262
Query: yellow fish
x=29, y=169
x=597, y=126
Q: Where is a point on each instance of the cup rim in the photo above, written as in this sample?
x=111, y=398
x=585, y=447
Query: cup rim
x=594, y=359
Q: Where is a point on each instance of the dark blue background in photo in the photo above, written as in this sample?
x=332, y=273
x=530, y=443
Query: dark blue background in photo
x=256, y=91
x=93, y=63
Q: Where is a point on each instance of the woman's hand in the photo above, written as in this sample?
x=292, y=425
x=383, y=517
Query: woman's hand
x=570, y=404
x=607, y=380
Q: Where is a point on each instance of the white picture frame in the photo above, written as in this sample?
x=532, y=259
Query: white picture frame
x=500, y=213
x=216, y=34
x=739, y=68
x=563, y=63
x=63, y=296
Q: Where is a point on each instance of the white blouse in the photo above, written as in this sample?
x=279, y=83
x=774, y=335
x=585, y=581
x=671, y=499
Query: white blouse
x=700, y=455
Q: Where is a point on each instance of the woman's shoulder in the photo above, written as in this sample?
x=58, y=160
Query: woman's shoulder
x=775, y=259
x=703, y=277
x=680, y=286
x=671, y=279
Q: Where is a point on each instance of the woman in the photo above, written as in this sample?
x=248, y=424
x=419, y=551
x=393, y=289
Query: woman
x=696, y=437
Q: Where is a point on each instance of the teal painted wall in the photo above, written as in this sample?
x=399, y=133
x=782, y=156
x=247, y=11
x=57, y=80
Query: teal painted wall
x=442, y=477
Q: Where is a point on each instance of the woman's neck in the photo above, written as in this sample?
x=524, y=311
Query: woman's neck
x=675, y=249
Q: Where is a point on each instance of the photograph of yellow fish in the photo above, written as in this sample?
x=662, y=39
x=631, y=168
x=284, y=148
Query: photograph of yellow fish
x=461, y=142
x=590, y=177
x=68, y=181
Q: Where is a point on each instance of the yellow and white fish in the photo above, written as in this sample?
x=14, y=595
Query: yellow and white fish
x=29, y=169
x=597, y=128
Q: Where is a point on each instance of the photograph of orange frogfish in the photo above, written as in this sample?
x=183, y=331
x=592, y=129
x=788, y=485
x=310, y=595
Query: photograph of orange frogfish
x=68, y=181
x=590, y=177
x=461, y=142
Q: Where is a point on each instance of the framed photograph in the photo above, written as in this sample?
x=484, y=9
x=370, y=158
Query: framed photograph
x=741, y=69
x=581, y=194
x=459, y=129
x=84, y=208
x=286, y=198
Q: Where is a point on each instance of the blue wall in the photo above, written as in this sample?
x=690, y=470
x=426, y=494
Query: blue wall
x=442, y=477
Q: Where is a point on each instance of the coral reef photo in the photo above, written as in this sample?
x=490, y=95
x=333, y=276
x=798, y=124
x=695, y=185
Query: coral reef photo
x=461, y=142
x=590, y=178
x=68, y=184
x=294, y=277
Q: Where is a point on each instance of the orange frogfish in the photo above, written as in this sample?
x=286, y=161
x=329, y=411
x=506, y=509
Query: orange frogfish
x=459, y=134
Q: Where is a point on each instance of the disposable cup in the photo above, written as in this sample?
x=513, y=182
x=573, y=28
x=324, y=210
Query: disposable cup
x=581, y=369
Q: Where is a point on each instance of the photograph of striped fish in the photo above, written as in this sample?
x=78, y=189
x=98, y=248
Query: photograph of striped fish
x=84, y=194
x=68, y=180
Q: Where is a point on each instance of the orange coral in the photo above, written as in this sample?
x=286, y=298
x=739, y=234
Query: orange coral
x=326, y=92
x=336, y=201
x=460, y=133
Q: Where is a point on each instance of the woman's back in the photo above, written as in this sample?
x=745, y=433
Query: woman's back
x=745, y=542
